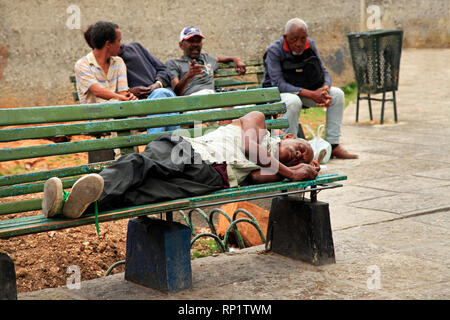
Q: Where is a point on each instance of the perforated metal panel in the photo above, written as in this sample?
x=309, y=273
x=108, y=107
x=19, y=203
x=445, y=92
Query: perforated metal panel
x=376, y=59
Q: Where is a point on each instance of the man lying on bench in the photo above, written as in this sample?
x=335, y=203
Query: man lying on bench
x=173, y=167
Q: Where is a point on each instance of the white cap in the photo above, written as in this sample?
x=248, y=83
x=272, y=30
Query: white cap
x=189, y=32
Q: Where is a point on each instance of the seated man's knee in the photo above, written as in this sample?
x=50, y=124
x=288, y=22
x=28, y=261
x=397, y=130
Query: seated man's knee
x=161, y=93
x=292, y=101
x=337, y=94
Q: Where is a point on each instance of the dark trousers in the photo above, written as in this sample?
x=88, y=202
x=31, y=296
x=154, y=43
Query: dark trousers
x=168, y=169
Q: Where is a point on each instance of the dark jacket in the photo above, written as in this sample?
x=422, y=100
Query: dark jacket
x=278, y=52
x=143, y=69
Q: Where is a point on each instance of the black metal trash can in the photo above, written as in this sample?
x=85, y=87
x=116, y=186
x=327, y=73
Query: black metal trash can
x=376, y=63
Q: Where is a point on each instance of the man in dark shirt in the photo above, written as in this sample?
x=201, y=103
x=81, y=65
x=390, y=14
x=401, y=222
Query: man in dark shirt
x=148, y=77
x=145, y=73
x=292, y=63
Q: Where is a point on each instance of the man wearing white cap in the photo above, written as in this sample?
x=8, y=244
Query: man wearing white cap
x=193, y=73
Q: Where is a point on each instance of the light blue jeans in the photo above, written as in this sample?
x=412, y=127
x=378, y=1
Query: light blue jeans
x=334, y=115
x=158, y=94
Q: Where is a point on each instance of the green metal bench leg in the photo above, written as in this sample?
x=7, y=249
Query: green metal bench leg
x=214, y=236
x=233, y=224
x=239, y=239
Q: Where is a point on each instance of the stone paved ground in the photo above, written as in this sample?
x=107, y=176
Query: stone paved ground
x=391, y=216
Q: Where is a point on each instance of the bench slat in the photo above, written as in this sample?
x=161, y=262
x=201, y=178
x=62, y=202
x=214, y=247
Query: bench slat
x=27, y=225
x=224, y=65
x=135, y=123
x=38, y=223
x=20, y=206
x=34, y=115
x=7, y=154
x=62, y=172
x=22, y=189
x=266, y=188
x=228, y=82
x=232, y=72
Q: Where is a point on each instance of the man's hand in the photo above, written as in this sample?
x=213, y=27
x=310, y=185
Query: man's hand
x=127, y=96
x=319, y=96
x=154, y=86
x=325, y=90
x=316, y=165
x=304, y=172
x=239, y=66
x=141, y=92
x=194, y=69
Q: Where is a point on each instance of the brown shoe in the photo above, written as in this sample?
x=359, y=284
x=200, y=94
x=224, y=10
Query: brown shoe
x=341, y=153
x=85, y=191
x=53, y=197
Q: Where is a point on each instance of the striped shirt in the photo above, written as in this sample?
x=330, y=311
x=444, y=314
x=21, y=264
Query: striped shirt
x=88, y=72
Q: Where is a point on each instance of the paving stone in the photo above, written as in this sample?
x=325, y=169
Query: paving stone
x=405, y=204
x=439, y=219
x=402, y=234
x=397, y=272
x=343, y=217
x=440, y=174
x=405, y=183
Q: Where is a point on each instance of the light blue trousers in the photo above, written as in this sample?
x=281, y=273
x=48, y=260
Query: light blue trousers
x=157, y=94
x=334, y=114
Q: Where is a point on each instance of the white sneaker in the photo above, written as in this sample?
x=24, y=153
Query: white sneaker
x=53, y=197
x=85, y=191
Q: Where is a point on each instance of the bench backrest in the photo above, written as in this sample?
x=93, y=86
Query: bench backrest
x=120, y=117
x=226, y=75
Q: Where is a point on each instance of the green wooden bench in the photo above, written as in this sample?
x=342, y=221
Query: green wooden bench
x=226, y=76
x=122, y=117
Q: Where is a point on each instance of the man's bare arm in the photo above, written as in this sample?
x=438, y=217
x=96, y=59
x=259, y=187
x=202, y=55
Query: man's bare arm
x=179, y=85
x=239, y=65
x=103, y=93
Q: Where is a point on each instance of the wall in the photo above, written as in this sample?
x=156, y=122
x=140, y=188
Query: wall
x=38, y=50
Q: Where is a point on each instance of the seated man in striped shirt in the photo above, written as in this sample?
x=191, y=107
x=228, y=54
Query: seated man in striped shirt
x=101, y=75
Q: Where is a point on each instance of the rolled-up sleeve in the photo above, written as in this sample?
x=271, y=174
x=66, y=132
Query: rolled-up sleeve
x=162, y=74
x=275, y=72
x=173, y=69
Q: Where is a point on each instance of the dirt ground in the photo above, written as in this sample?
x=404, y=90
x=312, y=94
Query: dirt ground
x=42, y=260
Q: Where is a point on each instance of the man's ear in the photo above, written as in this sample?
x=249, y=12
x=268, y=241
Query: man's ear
x=288, y=136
